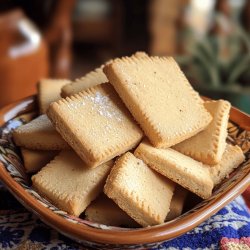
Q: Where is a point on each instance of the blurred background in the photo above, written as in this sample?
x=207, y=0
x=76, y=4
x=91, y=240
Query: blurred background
x=67, y=38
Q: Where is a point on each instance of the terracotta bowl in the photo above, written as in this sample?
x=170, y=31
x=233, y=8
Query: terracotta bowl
x=95, y=235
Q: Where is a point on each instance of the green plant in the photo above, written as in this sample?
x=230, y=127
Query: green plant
x=219, y=62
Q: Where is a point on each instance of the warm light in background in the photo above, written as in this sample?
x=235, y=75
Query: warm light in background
x=199, y=16
x=209, y=38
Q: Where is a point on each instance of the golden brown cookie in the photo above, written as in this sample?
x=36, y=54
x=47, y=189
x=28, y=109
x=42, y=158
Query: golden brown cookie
x=231, y=159
x=209, y=145
x=159, y=97
x=138, y=190
x=177, y=202
x=91, y=79
x=39, y=134
x=69, y=184
x=185, y=171
x=104, y=211
x=49, y=90
x=34, y=160
x=96, y=124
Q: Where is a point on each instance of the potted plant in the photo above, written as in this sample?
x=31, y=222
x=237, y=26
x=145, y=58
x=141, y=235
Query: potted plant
x=219, y=67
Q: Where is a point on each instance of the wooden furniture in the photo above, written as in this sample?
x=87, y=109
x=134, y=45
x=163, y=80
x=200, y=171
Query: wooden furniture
x=105, y=29
x=246, y=16
x=58, y=35
x=165, y=21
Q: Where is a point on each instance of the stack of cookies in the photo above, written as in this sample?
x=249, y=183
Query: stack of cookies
x=127, y=142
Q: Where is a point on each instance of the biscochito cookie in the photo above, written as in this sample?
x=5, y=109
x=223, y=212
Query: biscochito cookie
x=208, y=145
x=185, y=171
x=39, y=134
x=104, y=211
x=91, y=79
x=34, y=160
x=231, y=159
x=96, y=124
x=177, y=202
x=159, y=97
x=49, y=90
x=138, y=190
x=138, y=54
x=69, y=184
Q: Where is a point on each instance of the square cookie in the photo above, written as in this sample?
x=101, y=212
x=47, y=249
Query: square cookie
x=185, y=171
x=69, y=184
x=34, y=160
x=49, y=90
x=138, y=190
x=39, y=134
x=159, y=97
x=209, y=145
x=104, y=211
x=96, y=124
x=231, y=159
x=91, y=79
x=177, y=203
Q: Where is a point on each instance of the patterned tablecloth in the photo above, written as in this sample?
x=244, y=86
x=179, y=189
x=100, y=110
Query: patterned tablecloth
x=228, y=229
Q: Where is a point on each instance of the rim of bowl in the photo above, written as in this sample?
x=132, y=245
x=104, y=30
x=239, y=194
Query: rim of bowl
x=159, y=233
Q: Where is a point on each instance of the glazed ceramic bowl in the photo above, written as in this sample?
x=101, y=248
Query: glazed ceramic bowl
x=95, y=235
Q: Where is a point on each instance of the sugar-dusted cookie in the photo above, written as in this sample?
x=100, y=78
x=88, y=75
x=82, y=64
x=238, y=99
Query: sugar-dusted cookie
x=159, y=97
x=231, y=159
x=96, y=124
x=39, y=134
x=34, y=160
x=49, y=90
x=104, y=211
x=138, y=190
x=177, y=202
x=69, y=184
x=208, y=145
x=185, y=171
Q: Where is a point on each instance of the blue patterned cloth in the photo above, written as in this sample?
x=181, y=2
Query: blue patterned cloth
x=21, y=229
x=233, y=221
